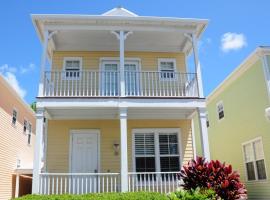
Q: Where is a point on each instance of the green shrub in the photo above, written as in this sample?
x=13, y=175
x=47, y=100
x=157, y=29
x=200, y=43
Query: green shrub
x=100, y=196
x=197, y=194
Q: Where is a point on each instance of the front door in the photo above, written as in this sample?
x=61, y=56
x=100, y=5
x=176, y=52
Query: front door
x=84, y=152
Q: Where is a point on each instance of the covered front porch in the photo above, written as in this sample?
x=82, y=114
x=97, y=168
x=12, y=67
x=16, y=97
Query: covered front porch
x=114, y=149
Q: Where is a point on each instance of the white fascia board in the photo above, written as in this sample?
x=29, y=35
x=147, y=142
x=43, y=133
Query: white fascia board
x=117, y=103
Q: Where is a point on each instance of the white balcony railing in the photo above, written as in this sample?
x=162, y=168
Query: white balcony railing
x=83, y=183
x=106, y=84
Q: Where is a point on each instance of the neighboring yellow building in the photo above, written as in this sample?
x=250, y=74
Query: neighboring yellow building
x=239, y=131
x=114, y=108
x=17, y=140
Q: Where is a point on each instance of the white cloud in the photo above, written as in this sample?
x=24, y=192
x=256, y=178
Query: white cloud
x=8, y=73
x=233, y=41
x=6, y=68
x=28, y=68
x=12, y=80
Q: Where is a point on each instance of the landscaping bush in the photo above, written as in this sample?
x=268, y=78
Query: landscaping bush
x=198, y=194
x=100, y=196
x=215, y=175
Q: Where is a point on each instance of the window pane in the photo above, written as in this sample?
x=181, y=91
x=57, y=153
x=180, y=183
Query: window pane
x=258, y=148
x=24, y=125
x=261, y=169
x=14, y=116
x=168, y=144
x=145, y=164
x=248, y=151
x=173, y=138
x=173, y=149
x=250, y=171
x=29, y=138
x=166, y=65
x=169, y=164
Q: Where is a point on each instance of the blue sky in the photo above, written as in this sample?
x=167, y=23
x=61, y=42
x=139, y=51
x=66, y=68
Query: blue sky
x=239, y=25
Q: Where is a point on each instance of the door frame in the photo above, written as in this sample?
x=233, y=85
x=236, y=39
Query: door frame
x=104, y=60
x=87, y=131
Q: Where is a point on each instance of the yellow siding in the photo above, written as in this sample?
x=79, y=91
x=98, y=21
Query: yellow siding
x=245, y=100
x=13, y=142
x=91, y=60
x=58, y=140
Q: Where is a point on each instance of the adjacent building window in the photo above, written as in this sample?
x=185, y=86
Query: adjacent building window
x=254, y=160
x=167, y=68
x=25, y=123
x=72, y=67
x=220, y=110
x=207, y=120
x=157, y=151
x=14, y=116
x=29, y=133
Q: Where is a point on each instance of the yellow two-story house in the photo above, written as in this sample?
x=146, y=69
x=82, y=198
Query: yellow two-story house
x=115, y=102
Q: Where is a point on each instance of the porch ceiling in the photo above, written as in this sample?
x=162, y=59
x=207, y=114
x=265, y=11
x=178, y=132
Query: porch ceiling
x=113, y=113
x=104, y=40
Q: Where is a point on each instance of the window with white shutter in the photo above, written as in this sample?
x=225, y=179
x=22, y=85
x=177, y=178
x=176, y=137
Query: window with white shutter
x=254, y=160
x=156, y=150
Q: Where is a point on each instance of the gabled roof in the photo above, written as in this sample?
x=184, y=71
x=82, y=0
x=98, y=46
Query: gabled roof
x=119, y=11
x=244, y=66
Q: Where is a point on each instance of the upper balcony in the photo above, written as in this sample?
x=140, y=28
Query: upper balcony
x=125, y=35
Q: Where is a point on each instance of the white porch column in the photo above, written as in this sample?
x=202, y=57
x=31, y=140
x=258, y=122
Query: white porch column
x=38, y=150
x=124, y=157
x=197, y=65
x=43, y=63
x=203, y=132
x=122, y=63
x=17, y=187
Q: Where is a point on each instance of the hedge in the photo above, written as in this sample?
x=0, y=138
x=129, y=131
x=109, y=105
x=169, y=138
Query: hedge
x=100, y=196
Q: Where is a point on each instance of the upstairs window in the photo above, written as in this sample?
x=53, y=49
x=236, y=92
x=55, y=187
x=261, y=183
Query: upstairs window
x=254, y=160
x=167, y=68
x=25, y=123
x=14, y=116
x=72, y=67
x=220, y=110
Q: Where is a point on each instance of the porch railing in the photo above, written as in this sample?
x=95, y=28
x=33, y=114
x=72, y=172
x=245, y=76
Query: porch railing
x=107, y=84
x=82, y=183
x=78, y=183
x=163, y=182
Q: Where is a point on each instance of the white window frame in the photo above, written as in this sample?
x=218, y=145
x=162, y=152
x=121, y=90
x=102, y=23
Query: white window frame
x=220, y=103
x=157, y=153
x=64, y=77
x=173, y=60
x=17, y=116
x=254, y=160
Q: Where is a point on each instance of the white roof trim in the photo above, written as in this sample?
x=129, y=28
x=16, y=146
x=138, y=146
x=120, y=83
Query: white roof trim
x=119, y=11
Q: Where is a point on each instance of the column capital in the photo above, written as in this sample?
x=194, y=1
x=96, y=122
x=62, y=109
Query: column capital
x=123, y=112
x=118, y=33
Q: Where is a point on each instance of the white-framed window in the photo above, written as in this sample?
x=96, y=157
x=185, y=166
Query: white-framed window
x=220, y=110
x=14, y=116
x=156, y=150
x=25, y=125
x=72, y=67
x=29, y=133
x=167, y=68
x=254, y=160
x=207, y=120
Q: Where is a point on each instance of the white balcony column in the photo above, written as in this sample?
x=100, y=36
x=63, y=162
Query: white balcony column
x=197, y=65
x=124, y=157
x=122, y=63
x=38, y=154
x=43, y=63
x=203, y=132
